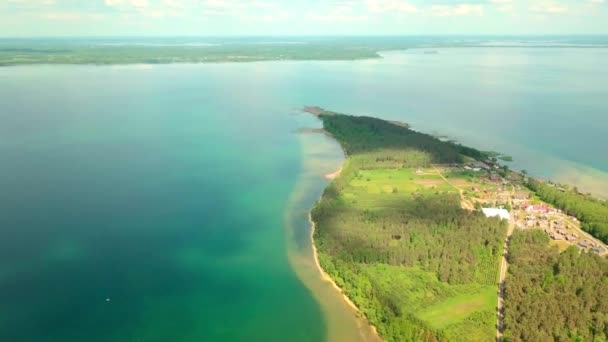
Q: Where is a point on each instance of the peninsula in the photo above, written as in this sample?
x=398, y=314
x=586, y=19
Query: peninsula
x=401, y=231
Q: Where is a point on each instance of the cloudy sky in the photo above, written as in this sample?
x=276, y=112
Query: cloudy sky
x=300, y=17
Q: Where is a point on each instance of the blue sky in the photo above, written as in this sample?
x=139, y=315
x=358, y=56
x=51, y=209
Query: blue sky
x=299, y=17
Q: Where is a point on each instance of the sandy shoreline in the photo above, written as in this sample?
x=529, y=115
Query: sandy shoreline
x=334, y=175
x=327, y=278
x=341, y=311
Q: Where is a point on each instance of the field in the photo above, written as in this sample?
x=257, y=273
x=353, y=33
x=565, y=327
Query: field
x=450, y=308
x=381, y=188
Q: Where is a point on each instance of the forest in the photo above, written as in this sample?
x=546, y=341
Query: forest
x=419, y=266
x=592, y=212
x=554, y=297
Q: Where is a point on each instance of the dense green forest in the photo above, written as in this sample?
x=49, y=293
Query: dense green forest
x=592, y=213
x=419, y=266
x=554, y=297
x=378, y=143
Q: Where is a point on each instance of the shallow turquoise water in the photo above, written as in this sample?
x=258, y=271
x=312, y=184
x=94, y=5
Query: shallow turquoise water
x=144, y=190
x=162, y=188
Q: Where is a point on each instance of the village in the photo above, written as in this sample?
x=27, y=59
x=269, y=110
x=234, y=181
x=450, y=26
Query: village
x=563, y=229
x=499, y=192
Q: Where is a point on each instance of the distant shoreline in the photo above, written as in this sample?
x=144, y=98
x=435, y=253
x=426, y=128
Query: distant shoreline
x=172, y=50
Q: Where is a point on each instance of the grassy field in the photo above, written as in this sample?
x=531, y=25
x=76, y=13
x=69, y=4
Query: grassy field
x=384, y=188
x=457, y=310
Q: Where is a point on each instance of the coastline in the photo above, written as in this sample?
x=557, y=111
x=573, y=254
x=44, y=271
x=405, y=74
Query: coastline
x=327, y=278
x=321, y=155
x=316, y=111
x=334, y=175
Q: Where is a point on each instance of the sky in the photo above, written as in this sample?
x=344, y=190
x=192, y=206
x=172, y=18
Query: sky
x=20, y=18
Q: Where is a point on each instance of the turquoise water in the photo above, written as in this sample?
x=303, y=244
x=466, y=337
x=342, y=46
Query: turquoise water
x=152, y=190
x=145, y=203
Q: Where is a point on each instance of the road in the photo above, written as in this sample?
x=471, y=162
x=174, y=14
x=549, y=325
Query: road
x=465, y=204
x=501, y=282
x=503, y=264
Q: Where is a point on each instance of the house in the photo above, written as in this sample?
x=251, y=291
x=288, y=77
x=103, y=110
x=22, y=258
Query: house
x=599, y=249
x=496, y=212
x=584, y=244
x=480, y=165
x=522, y=196
x=538, y=208
x=494, y=176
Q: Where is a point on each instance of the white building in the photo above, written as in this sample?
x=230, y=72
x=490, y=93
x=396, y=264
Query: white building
x=495, y=212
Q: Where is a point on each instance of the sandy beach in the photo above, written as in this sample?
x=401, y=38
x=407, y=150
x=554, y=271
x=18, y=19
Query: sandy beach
x=333, y=175
x=344, y=321
x=328, y=279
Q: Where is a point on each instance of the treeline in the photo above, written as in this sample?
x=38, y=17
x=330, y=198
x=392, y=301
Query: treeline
x=554, y=297
x=387, y=141
x=592, y=213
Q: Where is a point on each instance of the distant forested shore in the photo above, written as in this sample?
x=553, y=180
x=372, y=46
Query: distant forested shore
x=169, y=50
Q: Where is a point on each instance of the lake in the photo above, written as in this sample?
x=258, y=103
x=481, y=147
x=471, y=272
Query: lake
x=168, y=202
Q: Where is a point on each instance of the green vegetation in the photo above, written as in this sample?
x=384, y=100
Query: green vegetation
x=554, y=297
x=391, y=232
x=156, y=50
x=592, y=213
x=495, y=156
x=161, y=50
x=149, y=54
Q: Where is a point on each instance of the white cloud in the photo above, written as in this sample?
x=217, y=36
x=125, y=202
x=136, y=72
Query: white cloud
x=383, y=6
x=32, y=2
x=549, y=7
x=62, y=16
x=339, y=11
x=456, y=10
x=503, y=5
x=133, y=3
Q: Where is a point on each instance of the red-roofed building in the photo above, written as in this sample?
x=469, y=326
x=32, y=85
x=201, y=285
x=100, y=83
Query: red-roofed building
x=538, y=209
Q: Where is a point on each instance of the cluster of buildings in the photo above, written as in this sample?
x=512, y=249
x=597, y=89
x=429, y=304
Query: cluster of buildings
x=557, y=225
x=478, y=166
x=559, y=232
x=592, y=246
